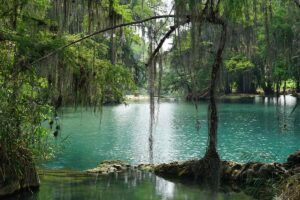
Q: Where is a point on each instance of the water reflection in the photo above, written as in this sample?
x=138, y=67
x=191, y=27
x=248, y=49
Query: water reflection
x=283, y=100
x=56, y=185
x=165, y=188
x=284, y=105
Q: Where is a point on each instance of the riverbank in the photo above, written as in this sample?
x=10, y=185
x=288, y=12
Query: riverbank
x=233, y=96
x=134, y=98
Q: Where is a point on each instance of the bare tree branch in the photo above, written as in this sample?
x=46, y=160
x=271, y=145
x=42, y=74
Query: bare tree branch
x=99, y=32
x=172, y=29
x=167, y=35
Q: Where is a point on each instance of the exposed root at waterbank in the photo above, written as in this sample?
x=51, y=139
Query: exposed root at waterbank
x=261, y=180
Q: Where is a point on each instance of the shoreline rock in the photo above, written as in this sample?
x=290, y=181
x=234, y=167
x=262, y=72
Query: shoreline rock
x=17, y=174
x=29, y=180
x=289, y=189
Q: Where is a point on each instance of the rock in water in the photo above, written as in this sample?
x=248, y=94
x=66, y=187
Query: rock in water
x=110, y=166
x=294, y=158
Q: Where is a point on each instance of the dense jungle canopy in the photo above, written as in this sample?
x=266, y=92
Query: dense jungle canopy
x=56, y=53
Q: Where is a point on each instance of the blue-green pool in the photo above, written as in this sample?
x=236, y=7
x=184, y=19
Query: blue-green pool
x=256, y=129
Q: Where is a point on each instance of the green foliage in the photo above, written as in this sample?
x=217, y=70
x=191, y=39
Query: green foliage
x=235, y=10
x=22, y=110
x=238, y=63
x=79, y=75
x=116, y=80
x=281, y=68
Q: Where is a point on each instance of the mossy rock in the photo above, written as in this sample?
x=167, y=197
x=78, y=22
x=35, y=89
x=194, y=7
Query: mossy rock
x=294, y=158
x=177, y=170
x=146, y=167
x=289, y=189
x=110, y=166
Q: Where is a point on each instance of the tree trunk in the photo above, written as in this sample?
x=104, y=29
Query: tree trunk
x=284, y=88
x=268, y=65
x=297, y=86
x=211, y=156
x=268, y=89
x=278, y=88
x=240, y=83
x=227, y=88
x=65, y=20
x=90, y=16
x=112, y=21
x=213, y=117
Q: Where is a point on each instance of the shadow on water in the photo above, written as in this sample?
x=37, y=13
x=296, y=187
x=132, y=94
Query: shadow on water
x=137, y=185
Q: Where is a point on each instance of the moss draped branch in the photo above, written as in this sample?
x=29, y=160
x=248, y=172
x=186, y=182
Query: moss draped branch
x=99, y=32
x=167, y=35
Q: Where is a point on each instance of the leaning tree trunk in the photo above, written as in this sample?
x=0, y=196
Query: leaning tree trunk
x=211, y=157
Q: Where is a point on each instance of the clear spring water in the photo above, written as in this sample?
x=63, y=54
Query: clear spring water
x=257, y=129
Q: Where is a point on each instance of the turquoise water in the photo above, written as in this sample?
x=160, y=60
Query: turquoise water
x=258, y=129
x=131, y=186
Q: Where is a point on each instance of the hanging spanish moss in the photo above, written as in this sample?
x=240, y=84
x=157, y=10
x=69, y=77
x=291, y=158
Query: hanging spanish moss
x=151, y=81
x=73, y=78
x=191, y=61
